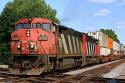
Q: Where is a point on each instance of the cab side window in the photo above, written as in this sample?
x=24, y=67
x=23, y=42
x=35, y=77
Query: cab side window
x=26, y=26
x=36, y=25
x=19, y=26
x=46, y=26
x=23, y=26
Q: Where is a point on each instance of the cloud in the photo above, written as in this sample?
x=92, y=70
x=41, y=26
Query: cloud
x=121, y=25
x=72, y=12
x=103, y=1
x=102, y=12
x=90, y=28
x=65, y=19
x=120, y=3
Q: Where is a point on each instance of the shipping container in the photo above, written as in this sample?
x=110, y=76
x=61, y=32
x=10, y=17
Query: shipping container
x=122, y=47
x=116, y=46
x=116, y=50
x=103, y=38
x=110, y=43
x=104, y=51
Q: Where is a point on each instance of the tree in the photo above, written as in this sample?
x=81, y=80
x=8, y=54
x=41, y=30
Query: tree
x=111, y=34
x=16, y=10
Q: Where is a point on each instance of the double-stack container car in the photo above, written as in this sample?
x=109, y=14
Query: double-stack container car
x=122, y=50
x=109, y=49
x=116, y=49
x=103, y=43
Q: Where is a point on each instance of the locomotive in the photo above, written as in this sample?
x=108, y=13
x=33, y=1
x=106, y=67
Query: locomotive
x=39, y=45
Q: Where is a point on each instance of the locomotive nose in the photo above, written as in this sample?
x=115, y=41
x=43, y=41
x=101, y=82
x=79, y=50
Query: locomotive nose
x=27, y=44
x=27, y=47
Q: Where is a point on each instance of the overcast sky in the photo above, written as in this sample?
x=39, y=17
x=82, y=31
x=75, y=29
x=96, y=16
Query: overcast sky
x=89, y=15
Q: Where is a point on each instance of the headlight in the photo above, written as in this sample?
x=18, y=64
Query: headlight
x=31, y=45
x=18, y=46
x=42, y=37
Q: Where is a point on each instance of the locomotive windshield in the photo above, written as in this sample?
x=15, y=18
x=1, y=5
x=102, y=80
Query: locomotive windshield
x=45, y=26
x=23, y=26
x=36, y=25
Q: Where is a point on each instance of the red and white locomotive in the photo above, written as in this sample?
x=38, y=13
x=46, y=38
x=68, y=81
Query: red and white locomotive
x=39, y=45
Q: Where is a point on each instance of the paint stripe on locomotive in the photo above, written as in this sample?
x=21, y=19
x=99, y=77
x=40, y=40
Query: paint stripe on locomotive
x=70, y=44
x=74, y=44
x=64, y=44
x=60, y=46
x=77, y=45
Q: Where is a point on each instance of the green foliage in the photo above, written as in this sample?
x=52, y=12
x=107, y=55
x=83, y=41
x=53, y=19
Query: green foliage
x=4, y=53
x=111, y=34
x=16, y=10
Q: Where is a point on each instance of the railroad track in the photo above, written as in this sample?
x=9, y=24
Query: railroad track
x=91, y=76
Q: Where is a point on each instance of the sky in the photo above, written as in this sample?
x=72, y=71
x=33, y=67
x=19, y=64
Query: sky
x=89, y=15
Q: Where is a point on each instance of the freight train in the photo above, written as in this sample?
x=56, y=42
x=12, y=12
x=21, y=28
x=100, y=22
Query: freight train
x=39, y=45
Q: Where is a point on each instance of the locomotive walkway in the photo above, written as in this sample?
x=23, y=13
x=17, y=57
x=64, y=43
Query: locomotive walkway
x=93, y=74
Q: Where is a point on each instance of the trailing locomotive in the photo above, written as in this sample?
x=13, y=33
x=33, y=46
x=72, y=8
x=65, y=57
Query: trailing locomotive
x=39, y=45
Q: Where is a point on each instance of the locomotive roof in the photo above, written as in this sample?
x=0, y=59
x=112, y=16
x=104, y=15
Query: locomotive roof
x=68, y=28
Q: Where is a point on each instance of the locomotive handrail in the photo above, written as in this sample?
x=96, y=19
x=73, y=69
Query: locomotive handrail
x=44, y=51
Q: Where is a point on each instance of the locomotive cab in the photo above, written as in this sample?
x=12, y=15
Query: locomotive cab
x=30, y=33
x=31, y=42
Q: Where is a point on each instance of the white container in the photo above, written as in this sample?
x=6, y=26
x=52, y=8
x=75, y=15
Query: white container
x=104, y=51
x=94, y=34
x=103, y=38
x=116, y=46
x=122, y=47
